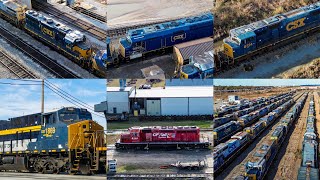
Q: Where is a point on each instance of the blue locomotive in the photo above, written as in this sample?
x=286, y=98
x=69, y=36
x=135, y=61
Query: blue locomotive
x=63, y=140
x=252, y=37
x=162, y=36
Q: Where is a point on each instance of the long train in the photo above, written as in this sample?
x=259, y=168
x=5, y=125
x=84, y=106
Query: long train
x=250, y=40
x=221, y=133
x=177, y=137
x=309, y=164
x=224, y=153
x=64, y=140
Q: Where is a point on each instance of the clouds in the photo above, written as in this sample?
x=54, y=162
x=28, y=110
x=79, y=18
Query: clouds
x=17, y=100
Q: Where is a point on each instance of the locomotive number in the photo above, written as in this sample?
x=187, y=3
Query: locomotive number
x=49, y=132
x=47, y=31
x=295, y=24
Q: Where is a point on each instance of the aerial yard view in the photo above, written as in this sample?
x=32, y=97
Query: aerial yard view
x=266, y=129
x=265, y=39
x=172, y=121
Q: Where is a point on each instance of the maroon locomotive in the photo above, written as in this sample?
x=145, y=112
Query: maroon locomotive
x=162, y=137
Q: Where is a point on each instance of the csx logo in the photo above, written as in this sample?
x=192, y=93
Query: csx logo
x=47, y=31
x=181, y=36
x=295, y=24
x=247, y=45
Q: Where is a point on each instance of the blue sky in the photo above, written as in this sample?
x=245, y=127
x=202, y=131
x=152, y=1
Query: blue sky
x=17, y=100
x=265, y=82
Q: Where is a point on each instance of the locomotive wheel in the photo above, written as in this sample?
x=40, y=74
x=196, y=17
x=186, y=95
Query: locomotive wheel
x=84, y=168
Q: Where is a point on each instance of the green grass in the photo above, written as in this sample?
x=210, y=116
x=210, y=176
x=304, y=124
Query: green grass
x=126, y=168
x=127, y=124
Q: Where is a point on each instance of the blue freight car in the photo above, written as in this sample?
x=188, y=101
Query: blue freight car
x=309, y=153
x=162, y=36
x=308, y=173
x=251, y=37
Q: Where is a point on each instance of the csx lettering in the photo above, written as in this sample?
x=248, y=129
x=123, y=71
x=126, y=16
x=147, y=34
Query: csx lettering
x=47, y=31
x=247, y=45
x=181, y=36
x=295, y=24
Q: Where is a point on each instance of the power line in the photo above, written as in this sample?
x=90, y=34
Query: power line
x=70, y=96
x=17, y=84
x=70, y=100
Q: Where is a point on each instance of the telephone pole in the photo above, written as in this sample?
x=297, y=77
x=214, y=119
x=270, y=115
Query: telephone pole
x=42, y=97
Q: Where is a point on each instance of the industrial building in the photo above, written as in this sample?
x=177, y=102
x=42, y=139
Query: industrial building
x=168, y=101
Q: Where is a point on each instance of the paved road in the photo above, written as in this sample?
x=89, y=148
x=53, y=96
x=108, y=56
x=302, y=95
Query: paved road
x=36, y=176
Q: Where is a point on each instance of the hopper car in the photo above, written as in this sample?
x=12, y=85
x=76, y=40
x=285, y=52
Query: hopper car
x=178, y=137
x=246, y=42
x=259, y=163
x=64, y=140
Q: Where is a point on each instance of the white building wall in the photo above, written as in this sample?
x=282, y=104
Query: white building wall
x=200, y=106
x=119, y=100
x=174, y=106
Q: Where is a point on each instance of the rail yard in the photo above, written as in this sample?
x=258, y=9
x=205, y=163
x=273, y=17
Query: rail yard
x=278, y=144
x=88, y=48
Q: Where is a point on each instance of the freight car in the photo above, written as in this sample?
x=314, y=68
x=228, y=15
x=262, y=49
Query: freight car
x=12, y=12
x=65, y=140
x=162, y=137
x=259, y=163
x=250, y=40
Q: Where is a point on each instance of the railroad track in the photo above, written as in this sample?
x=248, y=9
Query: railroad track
x=68, y=19
x=14, y=67
x=37, y=56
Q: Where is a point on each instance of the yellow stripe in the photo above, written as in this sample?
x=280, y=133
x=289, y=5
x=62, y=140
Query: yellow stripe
x=63, y=150
x=20, y=130
x=19, y=152
x=43, y=151
x=101, y=148
x=35, y=151
x=13, y=152
x=27, y=151
x=53, y=150
x=7, y=152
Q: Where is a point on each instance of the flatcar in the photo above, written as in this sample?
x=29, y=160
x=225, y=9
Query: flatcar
x=65, y=140
x=249, y=40
x=163, y=36
x=162, y=137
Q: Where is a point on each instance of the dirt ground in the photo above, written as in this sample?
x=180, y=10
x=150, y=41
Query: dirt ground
x=237, y=167
x=250, y=94
x=142, y=11
x=288, y=161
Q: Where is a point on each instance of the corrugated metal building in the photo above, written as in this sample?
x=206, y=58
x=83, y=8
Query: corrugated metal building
x=183, y=100
x=183, y=51
x=118, y=100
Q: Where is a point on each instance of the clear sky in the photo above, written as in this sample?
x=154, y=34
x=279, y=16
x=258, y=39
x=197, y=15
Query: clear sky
x=18, y=99
x=265, y=82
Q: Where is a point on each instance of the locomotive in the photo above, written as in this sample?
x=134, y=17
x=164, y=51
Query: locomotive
x=165, y=35
x=249, y=40
x=259, y=163
x=162, y=137
x=71, y=43
x=64, y=140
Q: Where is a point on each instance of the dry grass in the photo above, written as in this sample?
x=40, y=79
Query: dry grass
x=234, y=13
x=310, y=70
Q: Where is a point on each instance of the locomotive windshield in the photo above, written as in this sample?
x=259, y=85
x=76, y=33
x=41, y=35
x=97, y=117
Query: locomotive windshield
x=236, y=40
x=129, y=40
x=68, y=116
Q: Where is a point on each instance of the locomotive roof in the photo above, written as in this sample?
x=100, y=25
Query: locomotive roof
x=166, y=127
x=10, y=4
x=162, y=27
x=246, y=31
x=70, y=34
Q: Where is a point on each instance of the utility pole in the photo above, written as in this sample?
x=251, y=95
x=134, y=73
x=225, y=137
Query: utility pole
x=42, y=97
